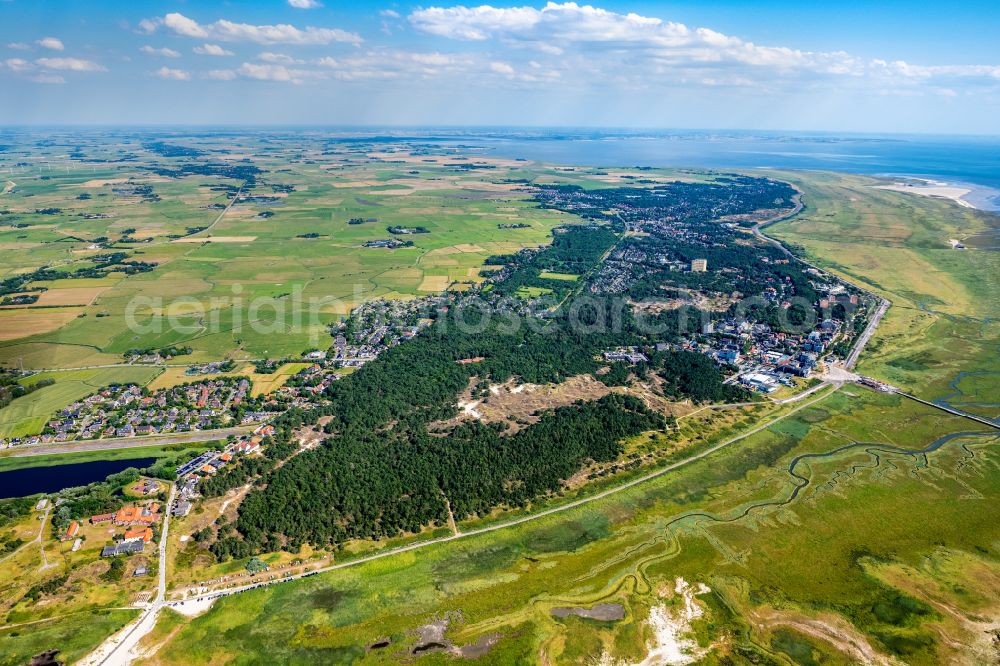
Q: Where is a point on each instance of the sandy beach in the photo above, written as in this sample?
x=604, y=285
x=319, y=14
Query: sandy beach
x=931, y=188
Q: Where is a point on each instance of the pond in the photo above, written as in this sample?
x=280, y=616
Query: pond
x=31, y=480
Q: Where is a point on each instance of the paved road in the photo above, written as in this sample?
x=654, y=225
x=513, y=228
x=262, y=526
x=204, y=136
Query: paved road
x=136, y=365
x=866, y=335
x=526, y=519
x=81, y=446
x=120, y=649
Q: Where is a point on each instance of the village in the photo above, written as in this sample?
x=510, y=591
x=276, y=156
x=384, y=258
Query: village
x=130, y=411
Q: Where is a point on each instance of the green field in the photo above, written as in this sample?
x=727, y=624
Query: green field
x=567, y=277
x=305, y=265
x=724, y=522
x=76, y=635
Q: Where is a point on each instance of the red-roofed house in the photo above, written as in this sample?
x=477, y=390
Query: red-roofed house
x=144, y=534
x=71, y=531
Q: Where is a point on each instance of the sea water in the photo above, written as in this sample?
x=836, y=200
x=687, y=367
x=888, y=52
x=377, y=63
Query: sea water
x=971, y=162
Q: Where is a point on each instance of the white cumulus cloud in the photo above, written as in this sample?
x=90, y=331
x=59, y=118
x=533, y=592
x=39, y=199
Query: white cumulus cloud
x=70, y=64
x=165, y=52
x=279, y=58
x=51, y=43
x=220, y=74
x=271, y=72
x=639, y=51
x=304, y=4
x=212, y=50
x=173, y=74
x=229, y=31
x=17, y=64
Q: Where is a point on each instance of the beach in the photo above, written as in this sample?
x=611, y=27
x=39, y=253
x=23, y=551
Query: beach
x=932, y=188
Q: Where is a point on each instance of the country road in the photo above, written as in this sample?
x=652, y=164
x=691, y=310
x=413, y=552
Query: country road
x=218, y=219
x=82, y=446
x=136, y=365
x=119, y=650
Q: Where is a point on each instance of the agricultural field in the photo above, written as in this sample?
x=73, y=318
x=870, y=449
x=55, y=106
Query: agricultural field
x=820, y=538
x=721, y=557
x=287, y=252
x=247, y=262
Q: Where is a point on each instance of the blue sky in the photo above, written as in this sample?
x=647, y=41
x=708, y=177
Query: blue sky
x=847, y=66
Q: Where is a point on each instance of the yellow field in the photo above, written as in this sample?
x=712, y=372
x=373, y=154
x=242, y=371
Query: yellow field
x=21, y=323
x=435, y=283
x=70, y=296
x=266, y=383
x=217, y=239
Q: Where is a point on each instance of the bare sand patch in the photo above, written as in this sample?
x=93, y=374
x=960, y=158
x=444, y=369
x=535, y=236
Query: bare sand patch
x=673, y=635
x=434, y=283
x=194, y=607
x=216, y=239
x=20, y=323
x=932, y=189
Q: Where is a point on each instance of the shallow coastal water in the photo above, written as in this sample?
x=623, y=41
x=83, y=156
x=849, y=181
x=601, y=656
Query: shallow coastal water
x=972, y=162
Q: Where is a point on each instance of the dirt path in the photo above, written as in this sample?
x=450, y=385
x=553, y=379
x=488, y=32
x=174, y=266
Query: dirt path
x=38, y=539
x=10, y=186
x=451, y=516
x=841, y=635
